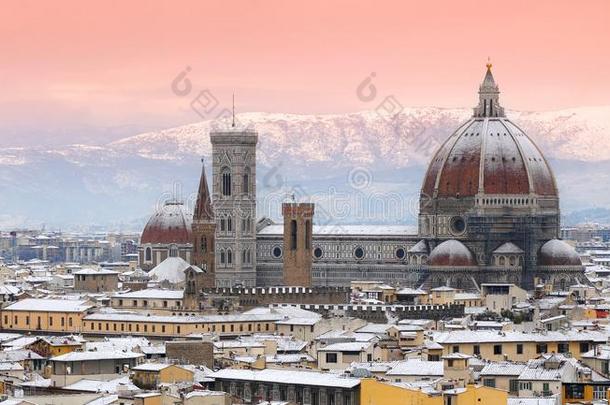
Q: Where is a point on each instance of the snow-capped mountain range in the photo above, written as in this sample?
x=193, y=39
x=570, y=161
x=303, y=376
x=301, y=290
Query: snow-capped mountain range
x=355, y=154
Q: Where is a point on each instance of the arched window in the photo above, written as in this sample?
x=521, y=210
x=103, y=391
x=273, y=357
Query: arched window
x=502, y=260
x=229, y=257
x=249, y=256
x=229, y=224
x=225, y=178
x=245, y=185
x=223, y=224
x=293, y=234
x=203, y=246
x=243, y=256
x=173, y=251
x=222, y=256
x=307, y=234
x=148, y=254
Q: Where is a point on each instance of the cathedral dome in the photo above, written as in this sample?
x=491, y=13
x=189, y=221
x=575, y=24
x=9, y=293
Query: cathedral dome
x=451, y=253
x=558, y=253
x=170, y=224
x=489, y=155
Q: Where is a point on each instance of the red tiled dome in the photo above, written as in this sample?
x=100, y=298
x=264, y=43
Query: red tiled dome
x=558, y=253
x=451, y=253
x=170, y=224
x=488, y=155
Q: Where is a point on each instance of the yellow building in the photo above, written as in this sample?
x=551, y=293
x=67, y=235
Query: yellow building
x=150, y=375
x=373, y=392
x=51, y=346
x=47, y=315
x=518, y=346
x=142, y=324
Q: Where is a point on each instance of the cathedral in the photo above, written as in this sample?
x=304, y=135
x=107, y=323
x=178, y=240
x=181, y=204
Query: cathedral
x=488, y=213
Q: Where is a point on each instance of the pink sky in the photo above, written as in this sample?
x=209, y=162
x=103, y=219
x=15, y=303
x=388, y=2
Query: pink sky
x=111, y=62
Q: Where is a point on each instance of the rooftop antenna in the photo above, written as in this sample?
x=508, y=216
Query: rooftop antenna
x=233, y=124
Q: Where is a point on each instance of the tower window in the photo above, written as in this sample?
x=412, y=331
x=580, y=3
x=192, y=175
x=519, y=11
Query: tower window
x=293, y=234
x=229, y=224
x=225, y=187
x=307, y=234
x=203, y=245
x=222, y=257
x=245, y=186
x=148, y=254
x=229, y=257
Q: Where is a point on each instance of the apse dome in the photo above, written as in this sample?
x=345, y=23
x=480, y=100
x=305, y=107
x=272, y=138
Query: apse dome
x=451, y=253
x=558, y=253
x=489, y=155
x=170, y=224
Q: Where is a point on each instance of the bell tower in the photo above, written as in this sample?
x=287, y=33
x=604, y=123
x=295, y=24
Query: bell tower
x=234, y=197
x=298, y=226
x=204, y=235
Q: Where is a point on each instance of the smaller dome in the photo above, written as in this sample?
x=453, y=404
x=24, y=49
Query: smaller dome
x=170, y=224
x=451, y=253
x=558, y=253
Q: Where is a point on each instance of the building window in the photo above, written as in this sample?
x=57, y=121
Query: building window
x=563, y=347
x=359, y=253
x=541, y=348
x=476, y=350
x=497, y=349
x=229, y=224
x=229, y=257
x=584, y=347
x=293, y=234
x=519, y=348
x=225, y=187
x=148, y=254
x=245, y=186
x=173, y=251
x=277, y=252
x=575, y=391
x=222, y=256
x=331, y=357
x=525, y=386
x=317, y=253
x=489, y=382
x=400, y=253
x=203, y=245
x=513, y=386
x=308, y=234
x=455, y=349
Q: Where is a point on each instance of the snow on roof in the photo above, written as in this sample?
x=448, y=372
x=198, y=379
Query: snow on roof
x=485, y=336
x=502, y=368
x=49, y=305
x=313, y=378
x=356, y=230
x=151, y=367
x=117, y=344
x=417, y=367
x=194, y=394
x=10, y=366
x=508, y=248
x=19, y=355
x=345, y=347
x=152, y=293
x=140, y=317
x=532, y=401
x=171, y=270
x=110, y=387
x=96, y=356
x=91, y=271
